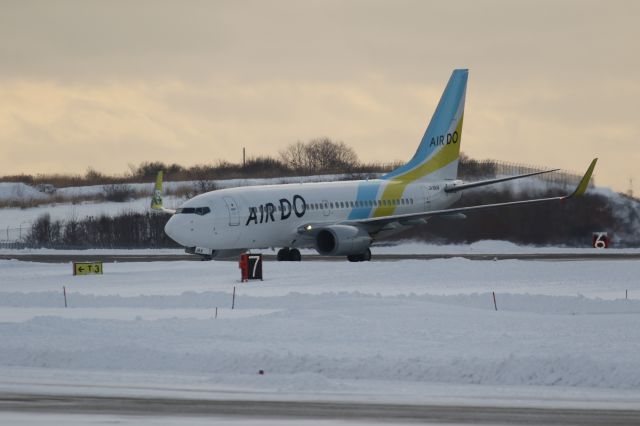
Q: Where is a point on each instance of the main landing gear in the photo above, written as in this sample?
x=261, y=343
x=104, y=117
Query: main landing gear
x=362, y=257
x=289, y=255
x=293, y=255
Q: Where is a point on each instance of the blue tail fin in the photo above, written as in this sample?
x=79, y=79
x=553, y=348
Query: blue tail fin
x=438, y=153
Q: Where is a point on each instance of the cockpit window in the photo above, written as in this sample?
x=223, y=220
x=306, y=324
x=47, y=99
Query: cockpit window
x=194, y=210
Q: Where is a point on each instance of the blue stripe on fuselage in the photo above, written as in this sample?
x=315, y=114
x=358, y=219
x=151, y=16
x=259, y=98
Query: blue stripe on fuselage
x=366, y=191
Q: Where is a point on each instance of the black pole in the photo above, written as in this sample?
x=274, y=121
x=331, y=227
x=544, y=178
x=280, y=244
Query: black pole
x=233, y=299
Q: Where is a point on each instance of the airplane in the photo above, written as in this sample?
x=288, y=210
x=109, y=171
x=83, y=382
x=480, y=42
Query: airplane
x=341, y=218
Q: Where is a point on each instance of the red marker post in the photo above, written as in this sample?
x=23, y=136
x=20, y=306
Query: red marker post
x=244, y=267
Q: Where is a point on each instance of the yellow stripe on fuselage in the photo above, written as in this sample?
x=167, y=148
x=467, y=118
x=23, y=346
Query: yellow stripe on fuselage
x=395, y=188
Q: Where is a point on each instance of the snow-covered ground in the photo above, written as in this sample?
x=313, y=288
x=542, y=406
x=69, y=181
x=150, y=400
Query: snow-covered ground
x=16, y=217
x=406, y=331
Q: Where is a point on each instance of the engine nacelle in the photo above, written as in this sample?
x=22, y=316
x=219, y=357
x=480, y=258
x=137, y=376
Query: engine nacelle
x=339, y=240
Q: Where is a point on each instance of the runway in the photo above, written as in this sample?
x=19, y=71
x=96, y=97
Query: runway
x=111, y=258
x=307, y=410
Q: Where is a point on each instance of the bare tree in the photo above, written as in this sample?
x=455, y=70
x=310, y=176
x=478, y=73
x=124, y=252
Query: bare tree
x=320, y=155
x=295, y=156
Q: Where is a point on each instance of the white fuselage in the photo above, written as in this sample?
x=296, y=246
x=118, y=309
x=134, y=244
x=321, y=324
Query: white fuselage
x=269, y=216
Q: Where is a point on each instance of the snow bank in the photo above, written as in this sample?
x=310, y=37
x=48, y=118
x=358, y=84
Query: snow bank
x=19, y=190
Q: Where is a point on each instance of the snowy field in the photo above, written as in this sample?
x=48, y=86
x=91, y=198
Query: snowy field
x=408, y=331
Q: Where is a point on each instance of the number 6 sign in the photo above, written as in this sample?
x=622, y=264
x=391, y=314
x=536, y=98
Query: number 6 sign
x=600, y=240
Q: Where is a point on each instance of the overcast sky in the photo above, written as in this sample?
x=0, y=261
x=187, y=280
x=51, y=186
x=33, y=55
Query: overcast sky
x=105, y=84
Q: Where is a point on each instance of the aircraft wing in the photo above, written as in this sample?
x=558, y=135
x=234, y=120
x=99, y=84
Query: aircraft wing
x=492, y=181
x=381, y=221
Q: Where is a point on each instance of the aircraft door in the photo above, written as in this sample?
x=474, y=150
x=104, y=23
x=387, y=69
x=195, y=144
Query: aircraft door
x=234, y=214
x=427, y=198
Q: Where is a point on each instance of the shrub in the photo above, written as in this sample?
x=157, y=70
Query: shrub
x=118, y=192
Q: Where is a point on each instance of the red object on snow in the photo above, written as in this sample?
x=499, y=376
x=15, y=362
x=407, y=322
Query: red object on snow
x=244, y=267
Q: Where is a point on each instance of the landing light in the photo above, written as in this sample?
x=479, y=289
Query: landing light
x=309, y=227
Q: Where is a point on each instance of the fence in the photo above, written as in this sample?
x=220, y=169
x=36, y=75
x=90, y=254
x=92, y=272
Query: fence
x=14, y=235
x=493, y=168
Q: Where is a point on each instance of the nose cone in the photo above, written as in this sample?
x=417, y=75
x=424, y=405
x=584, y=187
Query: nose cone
x=172, y=229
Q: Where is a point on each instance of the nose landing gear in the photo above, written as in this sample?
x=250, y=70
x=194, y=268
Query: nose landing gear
x=289, y=255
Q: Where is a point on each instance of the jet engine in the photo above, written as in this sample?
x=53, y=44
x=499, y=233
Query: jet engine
x=338, y=240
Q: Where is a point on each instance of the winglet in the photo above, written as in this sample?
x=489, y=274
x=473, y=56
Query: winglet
x=584, y=182
x=156, y=199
